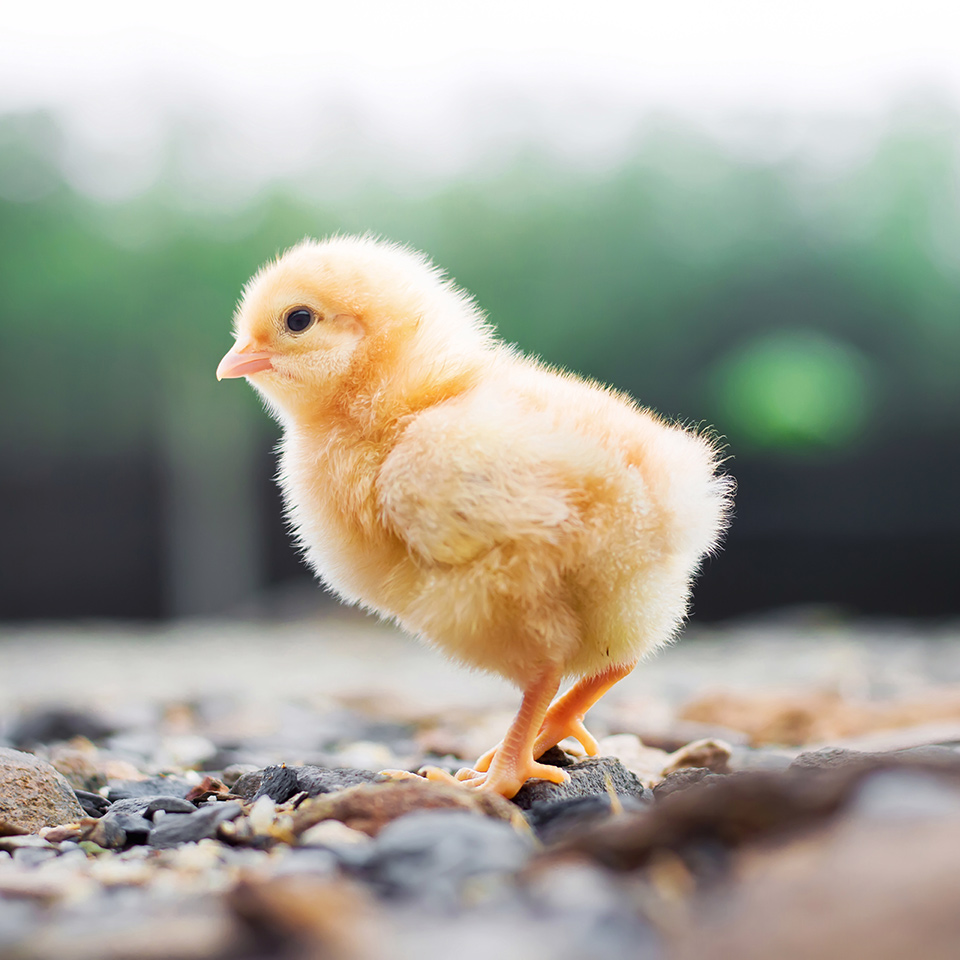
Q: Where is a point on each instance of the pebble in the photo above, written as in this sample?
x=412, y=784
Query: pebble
x=331, y=833
x=28, y=841
x=595, y=916
x=832, y=758
x=31, y=856
x=177, y=828
x=552, y=820
x=123, y=825
x=438, y=857
x=149, y=787
x=93, y=804
x=905, y=794
x=681, y=780
x=33, y=794
x=322, y=858
x=371, y=807
x=281, y=782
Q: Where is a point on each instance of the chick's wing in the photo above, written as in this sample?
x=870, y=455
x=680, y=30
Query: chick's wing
x=460, y=483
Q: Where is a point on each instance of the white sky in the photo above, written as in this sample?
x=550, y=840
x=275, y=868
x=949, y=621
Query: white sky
x=280, y=82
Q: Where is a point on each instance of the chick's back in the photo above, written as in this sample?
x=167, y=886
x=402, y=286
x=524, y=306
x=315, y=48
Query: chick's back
x=546, y=518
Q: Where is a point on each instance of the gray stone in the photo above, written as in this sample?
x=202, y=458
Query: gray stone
x=317, y=780
x=832, y=758
x=281, y=782
x=829, y=758
x=152, y=787
x=682, y=780
x=129, y=821
x=233, y=773
x=28, y=842
x=554, y=820
x=33, y=794
x=93, y=804
x=592, y=777
x=591, y=913
x=31, y=856
x=176, y=828
x=747, y=758
x=906, y=794
x=434, y=855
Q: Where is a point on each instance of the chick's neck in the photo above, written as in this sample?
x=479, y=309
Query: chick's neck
x=387, y=386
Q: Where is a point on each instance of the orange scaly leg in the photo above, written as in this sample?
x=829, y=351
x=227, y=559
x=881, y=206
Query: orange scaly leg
x=515, y=759
x=565, y=718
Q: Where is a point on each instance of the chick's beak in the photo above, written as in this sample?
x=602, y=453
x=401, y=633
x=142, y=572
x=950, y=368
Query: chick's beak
x=242, y=362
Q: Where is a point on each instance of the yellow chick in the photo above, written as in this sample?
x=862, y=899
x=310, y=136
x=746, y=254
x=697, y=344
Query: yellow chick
x=519, y=518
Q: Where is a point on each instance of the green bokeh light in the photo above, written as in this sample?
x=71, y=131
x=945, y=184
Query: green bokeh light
x=794, y=389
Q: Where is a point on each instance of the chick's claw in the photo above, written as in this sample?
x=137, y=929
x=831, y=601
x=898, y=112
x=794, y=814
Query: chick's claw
x=439, y=775
x=483, y=764
x=391, y=774
x=552, y=732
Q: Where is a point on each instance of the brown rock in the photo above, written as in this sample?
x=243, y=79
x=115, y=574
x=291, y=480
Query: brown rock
x=714, y=755
x=370, y=807
x=309, y=917
x=883, y=890
x=209, y=787
x=33, y=794
x=8, y=829
x=795, y=719
x=86, y=767
x=725, y=812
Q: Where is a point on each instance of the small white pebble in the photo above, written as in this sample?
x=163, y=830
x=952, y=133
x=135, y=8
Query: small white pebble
x=262, y=814
x=331, y=832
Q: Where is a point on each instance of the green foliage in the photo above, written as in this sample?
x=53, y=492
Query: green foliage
x=793, y=306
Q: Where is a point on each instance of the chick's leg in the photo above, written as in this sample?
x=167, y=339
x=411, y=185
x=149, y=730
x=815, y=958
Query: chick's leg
x=565, y=717
x=515, y=760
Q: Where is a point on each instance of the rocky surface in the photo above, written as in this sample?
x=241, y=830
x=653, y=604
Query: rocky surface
x=253, y=823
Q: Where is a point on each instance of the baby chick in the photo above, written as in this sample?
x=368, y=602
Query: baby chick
x=521, y=519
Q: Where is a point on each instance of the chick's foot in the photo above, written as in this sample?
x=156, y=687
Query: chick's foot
x=552, y=731
x=505, y=779
x=513, y=762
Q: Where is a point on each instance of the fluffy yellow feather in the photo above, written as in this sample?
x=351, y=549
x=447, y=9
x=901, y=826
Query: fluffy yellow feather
x=521, y=519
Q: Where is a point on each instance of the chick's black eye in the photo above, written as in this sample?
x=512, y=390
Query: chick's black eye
x=298, y=320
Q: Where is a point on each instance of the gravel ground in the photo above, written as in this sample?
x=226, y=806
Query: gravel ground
x=788, y=787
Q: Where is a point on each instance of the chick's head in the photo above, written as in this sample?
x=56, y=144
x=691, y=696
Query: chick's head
x=345, y=311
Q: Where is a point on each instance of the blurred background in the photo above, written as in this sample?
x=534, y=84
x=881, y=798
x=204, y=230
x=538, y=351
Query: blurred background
x=745, y=214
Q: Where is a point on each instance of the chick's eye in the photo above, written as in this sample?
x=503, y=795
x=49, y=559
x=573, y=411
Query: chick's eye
x=298, y=320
